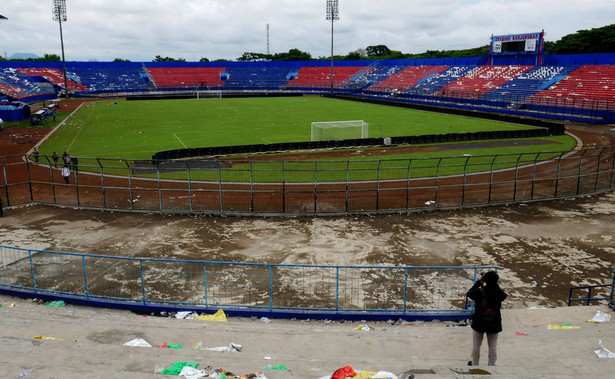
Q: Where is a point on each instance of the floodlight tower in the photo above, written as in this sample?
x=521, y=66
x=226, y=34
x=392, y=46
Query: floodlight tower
x=59, y=15
x=333, y=14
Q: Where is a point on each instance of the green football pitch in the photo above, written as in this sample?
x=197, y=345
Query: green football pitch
x=138, y=129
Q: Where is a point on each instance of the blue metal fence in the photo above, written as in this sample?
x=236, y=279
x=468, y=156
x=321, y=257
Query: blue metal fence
x=243, y=288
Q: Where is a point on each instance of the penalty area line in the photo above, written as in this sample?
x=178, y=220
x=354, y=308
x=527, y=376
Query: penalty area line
x=180, y=141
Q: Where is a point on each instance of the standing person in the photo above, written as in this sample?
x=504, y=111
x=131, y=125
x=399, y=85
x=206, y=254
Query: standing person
x=487, y=318
x=35, y=154
x=66, y=158
x=66, y=174
x=55, y=158
x=74, y=161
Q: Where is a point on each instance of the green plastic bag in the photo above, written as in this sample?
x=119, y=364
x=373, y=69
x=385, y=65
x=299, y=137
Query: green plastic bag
x=177, y=367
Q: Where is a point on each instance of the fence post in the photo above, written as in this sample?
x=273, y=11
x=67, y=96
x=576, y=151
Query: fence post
x=270, y=288
x=580, y=171
x=142, y=281
x=598, y=169
x=337, y=288
x=405, y=289
x=205, y=283
x=408, y=185
x=189, y=186
x=557, y=174
x=129, y=184
x=347, y=179
x=6, y=182
x=220, y=186
x=516, y=177
x=283, y=186
x=251, y=187
x=102, y=183
x=315, y=186
x=534, y=176
x=612, y=170
x=75, y=174
x=159, y=186
x=465, y=178
x=53, y=187
x=29, y=177
x=32, y=269
x=437, y=181
x=491, y=179
x=378, y=185
x=85, y=277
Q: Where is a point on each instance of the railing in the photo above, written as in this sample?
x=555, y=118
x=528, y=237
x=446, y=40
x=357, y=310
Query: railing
x=221, y=187
x=272, y=288
x=588, y=289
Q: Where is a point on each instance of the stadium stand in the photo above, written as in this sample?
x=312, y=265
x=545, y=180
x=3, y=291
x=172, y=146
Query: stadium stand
x=377, y=73
x=433, y=83
x=97, y=77
x=19, y=86
x=406, y=79
x=482, y=79
x=257, y=77
x=590, y=82
x=532, y=81
x=54, y=76
x=182, y=77
x=320, y=77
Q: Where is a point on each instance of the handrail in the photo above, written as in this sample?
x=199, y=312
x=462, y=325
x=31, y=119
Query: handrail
x=589, y=298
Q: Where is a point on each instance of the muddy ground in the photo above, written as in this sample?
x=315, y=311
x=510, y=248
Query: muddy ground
x=542, y=249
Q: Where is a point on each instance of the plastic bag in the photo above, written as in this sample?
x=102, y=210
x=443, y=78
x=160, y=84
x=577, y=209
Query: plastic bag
x=139, y=342
x=600, y=317
x=603, y=352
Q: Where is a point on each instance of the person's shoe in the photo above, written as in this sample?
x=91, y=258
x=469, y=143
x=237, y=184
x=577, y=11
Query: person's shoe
x=469, y=363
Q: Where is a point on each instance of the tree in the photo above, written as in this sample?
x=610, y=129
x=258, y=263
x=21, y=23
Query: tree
x=203, y=60
x=254, y=57
x=50, y=58
x=597, y=40
x=292, y=55
x=378, y=51
x=121, y=60
x=167, y=59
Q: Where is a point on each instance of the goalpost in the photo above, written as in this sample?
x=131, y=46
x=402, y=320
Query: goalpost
x=209, y=94
x=338, y=130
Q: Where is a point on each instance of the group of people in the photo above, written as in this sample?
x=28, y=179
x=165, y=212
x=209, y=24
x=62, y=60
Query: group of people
x=70, y=162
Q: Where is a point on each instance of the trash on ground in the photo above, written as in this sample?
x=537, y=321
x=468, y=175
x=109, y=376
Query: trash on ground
x=52, y=338
x=186, y=315
x=521, y=334
x=139, y=342
x=232, y=347
x=562, y=326
x=188, y=372
x=177, y=367
x=168, y=346
x=278, y=367
x=603, y=352
x=59, y=303
x=221, y=373
x=364, y=327
x=344, y=372
x=218, y=316
x=265, y=320
x=599, y=317
x=25, y=372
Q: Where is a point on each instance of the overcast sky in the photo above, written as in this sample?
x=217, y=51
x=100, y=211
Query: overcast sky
x=191, y=29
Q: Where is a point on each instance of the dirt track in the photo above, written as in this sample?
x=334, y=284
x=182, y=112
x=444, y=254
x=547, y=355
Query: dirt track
x=542, y=248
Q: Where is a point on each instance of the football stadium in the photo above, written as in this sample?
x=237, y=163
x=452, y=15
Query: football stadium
x=223, y=171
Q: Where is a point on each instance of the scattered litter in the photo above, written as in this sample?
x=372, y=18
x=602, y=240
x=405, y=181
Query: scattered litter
x=138, y=342
x=278, y=367
x=59, y=303
x=192, y=373
x=599, y=317
x=603, y=352
x=344, y=372
x=167, y=346
x=158, y=369
x=186, y=315
x=218, y=316
x=562, y=326
x=267, y=357
x=521, y=334
x=536, y=307
x=364, y=327
x=51, y=338
x=265, y=320
x=177, y=367
x=221, y=373
x=233, y=347
x=430, y=202
x=534, y=283
x=25, y=372
x=12, y=305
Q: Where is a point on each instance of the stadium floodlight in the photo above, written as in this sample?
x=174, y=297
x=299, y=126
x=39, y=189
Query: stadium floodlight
x=333, y=14
x=59, y=15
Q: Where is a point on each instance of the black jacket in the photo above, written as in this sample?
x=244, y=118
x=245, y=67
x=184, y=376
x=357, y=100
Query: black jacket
x=494, y=295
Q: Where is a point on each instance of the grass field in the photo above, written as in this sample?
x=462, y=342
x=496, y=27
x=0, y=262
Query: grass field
x=138, y=129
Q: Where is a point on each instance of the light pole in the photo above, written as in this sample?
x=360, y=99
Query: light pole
x=333, y=14
x=59, y=15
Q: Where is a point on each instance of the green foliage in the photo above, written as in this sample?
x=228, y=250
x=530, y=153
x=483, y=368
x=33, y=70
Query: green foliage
x=204, y=59
x=44, y=58
x=292, y=55
x=121, y=60
x=597, y=40
x=167, y=59
x=254, y=57
x=378, y=51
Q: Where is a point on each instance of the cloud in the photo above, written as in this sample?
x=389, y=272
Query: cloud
x=141, y=29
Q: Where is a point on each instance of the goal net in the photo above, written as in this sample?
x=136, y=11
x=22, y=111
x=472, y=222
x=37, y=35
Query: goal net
x=209, y=94
x=338, y=130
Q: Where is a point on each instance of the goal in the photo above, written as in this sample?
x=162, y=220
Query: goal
x=338, y=130
x=209, y=94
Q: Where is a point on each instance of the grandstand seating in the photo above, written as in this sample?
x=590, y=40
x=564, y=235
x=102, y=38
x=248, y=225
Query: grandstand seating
x=588, y=82
x=19, y=86
x=406, y=78
x=54, y=76
x=482, y=79
x=112, y=78
x=530, y=82
x=257, y=77
x=186, y=76
x=320, y=77
x=435, y=82
x=373, y=75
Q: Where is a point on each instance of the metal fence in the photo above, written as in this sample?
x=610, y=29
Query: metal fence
x=224, y=187
x=267, y=287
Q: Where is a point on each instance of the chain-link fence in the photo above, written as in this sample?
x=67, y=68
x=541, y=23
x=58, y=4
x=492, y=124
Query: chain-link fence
x=222, y=187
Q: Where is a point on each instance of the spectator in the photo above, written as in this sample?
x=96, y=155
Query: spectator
x=74, y=161
x=66, y=159
x=487, y=318
x=35, y=154
x=55, y=158
x=66, y=174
